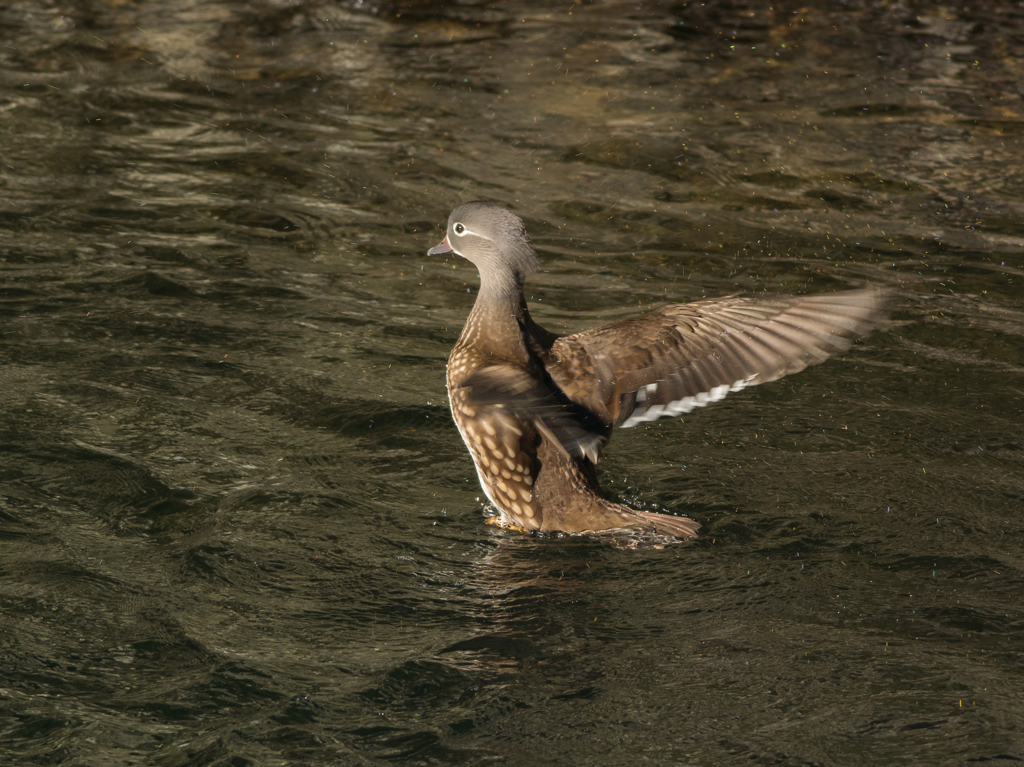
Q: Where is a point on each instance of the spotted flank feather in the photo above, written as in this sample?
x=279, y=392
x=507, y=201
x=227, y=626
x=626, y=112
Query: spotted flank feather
x=506, y=470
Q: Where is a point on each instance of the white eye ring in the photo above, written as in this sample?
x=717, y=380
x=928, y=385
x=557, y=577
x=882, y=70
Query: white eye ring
x=459, y=229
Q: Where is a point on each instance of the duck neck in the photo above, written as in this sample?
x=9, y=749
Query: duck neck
x=501, y=297
x=495, y=323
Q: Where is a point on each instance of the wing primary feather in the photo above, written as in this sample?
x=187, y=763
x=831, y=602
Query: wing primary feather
x=680, y=357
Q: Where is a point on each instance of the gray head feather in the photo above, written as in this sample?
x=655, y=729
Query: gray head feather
x=495, y=240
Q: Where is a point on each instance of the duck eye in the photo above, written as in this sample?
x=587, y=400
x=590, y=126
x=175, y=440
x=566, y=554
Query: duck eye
x=459, y=229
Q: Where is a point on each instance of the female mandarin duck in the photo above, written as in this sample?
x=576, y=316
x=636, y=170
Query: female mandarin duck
x=535, y=410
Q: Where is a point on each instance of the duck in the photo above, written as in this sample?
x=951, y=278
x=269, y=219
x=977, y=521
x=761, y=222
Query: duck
x=536, y=410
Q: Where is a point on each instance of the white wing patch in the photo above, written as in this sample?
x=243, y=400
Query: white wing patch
x=680, y=406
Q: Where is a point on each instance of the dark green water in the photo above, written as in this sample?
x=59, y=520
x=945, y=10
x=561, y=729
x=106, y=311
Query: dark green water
x=237, y=526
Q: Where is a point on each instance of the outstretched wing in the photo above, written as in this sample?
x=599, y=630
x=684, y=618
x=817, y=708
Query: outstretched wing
x=684, y=356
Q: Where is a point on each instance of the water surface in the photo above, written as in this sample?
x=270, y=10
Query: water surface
x=238, y=526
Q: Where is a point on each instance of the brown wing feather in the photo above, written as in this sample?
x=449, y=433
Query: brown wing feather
x=517, y=392
x=684, y=356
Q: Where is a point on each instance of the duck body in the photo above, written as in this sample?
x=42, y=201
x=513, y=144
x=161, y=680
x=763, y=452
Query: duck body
x=535, y=410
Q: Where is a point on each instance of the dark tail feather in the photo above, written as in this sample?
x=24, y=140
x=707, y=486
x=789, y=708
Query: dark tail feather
x=678, y=527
